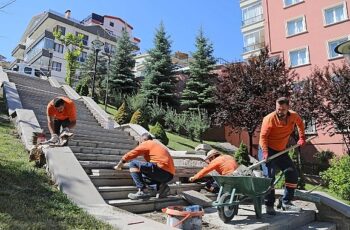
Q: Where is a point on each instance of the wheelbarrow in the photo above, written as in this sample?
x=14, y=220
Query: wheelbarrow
x=237, y=189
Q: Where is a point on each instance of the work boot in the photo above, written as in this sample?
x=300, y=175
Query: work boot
x=290, y=207
x=270, y=210
x=163, y=191
x=140, y=195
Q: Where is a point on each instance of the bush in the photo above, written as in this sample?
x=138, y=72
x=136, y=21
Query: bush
x=118, y=99
x=82, y=87
x=337, y=176
x=169, y=119
x=323, y=157
x=136, y=102
x=159, y=133
x=121, y=116
x=200, y=122
x=138, y=118
x=156, y=113
x=242, y=155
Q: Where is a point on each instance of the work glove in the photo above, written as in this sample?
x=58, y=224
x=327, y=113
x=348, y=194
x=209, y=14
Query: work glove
x=191, y=179
x=265, y=154
x=119, y=166
x=301, y=141
x=66, y=129
x=54, y=138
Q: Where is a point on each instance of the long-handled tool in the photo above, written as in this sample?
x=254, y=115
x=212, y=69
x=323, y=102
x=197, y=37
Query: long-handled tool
x=243, y=170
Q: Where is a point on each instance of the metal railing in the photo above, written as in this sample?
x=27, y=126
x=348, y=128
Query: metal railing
x=256, y=46
x=253, y=20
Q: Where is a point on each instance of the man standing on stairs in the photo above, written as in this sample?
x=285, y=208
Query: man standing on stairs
x=158, y=169
x=274, y=136
x=61, y=112
x=222, y=164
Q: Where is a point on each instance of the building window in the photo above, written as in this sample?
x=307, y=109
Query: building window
x=331, y=46
x=335, y=14
x=291, y=2
x=111, y=24
x=252, y=14
x=299, y=57
x=296, y=26
x=58, y=48
x=56, y=66
x=82, y=57
x=60, y=29
x=253, y=41
x=85, y=39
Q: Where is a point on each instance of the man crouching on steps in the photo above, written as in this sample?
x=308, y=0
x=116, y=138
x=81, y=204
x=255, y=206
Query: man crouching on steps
x=61, y=112
x=158, y=169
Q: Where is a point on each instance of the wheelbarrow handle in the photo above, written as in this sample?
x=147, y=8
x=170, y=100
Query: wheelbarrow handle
x=278, y=154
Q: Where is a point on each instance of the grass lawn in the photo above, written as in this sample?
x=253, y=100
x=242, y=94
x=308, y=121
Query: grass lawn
x=326, y=190
x=110, y=108
x=180, y=143
x=27, y=200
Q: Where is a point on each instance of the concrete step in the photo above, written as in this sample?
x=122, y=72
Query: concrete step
x=100, y=144
x=97, y=164
x=105, y=138
x=42, y=116
x=111, y=173
x=141, y=206
x=98, y=157
x=99, y=135
x=319, y=226
x=121, y=192
x=107, y=151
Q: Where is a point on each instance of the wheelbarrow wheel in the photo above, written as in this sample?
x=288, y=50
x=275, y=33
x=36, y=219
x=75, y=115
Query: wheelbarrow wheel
x=227, y=212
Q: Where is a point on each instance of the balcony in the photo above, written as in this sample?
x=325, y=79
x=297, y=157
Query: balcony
x=253, y=20
x=253, y=47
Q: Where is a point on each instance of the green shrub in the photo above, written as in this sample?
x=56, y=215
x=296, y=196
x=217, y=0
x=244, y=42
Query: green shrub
x=121, y=116
x=138, y=118
x=156, y=113
x=159, y=133
x=82, y=87
x=136, y=101
x=323, y=157
x=337, y=176
x=200, y=122
x=242, y=155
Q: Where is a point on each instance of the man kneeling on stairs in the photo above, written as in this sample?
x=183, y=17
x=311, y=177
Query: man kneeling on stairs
x=61, y=112
x=158, y=169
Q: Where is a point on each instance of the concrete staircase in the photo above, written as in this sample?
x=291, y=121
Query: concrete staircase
x=96, y=148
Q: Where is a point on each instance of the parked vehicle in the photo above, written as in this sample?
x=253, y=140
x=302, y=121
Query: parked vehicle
x=27, y=70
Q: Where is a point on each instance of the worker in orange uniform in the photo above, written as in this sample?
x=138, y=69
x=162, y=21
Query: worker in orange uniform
x=158, y=169
x=222, y=164
x=274, y=136
x=61, y=112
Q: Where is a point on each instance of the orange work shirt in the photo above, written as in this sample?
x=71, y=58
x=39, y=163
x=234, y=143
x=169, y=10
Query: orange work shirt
x=153, y=152
x=69, y=111
x=224, y=164
x=275, y=133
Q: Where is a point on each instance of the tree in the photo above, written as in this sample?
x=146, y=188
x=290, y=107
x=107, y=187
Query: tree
x=249, y=92
x=122, y=114
x=331, y=96
x=74, y=46
x=121, y=76
x=87, y=70
x=159, y=80
x=199, y=89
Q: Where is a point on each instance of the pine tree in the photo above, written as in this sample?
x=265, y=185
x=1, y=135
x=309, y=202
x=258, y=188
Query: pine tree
x=121, y=76
x=87, y=71
x=199, y=89
x=121, y=116
x=159, y=79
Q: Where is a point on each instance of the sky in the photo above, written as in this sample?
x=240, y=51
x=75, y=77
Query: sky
x=220, y=20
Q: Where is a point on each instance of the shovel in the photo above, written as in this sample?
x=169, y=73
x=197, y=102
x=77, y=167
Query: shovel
x=244, y=170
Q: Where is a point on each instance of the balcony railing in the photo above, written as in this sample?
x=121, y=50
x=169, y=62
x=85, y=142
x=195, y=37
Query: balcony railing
x=253, y=20
x=256, y=46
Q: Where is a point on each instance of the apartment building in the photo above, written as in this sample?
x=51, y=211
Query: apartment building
x=252, y=27
x=304, y=33
x=39, y=48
